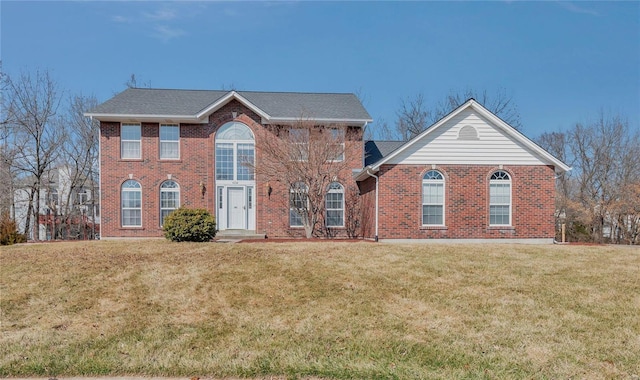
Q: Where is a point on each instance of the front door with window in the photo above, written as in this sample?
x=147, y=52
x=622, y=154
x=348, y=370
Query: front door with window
x=235, y=180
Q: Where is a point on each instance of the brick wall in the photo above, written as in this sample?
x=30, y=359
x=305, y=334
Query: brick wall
x=466, y=202
x=194, y=172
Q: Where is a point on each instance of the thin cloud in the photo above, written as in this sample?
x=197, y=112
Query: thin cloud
x=161, y=15
x=166, y=33
x=120, y=19
x=572, y=7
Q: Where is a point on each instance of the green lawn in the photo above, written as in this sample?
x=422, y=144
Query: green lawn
x=328, y=310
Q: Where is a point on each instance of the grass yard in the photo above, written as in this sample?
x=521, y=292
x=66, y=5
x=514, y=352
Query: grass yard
x=327, y=310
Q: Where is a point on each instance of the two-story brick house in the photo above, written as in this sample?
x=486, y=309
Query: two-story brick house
x=162, y=149
x=469, y=176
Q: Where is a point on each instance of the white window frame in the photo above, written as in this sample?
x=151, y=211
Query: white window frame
x=300, y=137
x=433, y=179
x=338, y=134
x=292, y=210
x=124, y=155
x=166, y=189
x=334, y=188
x=169, y=142
x=130, y=186
x=500, y=179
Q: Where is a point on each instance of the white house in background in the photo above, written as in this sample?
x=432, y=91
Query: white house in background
x=66, y=211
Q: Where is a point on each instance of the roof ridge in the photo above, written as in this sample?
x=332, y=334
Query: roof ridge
x=239, y=91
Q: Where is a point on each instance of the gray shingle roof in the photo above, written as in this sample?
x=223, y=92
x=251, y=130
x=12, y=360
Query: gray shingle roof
x=142, y=101
x=374, y=151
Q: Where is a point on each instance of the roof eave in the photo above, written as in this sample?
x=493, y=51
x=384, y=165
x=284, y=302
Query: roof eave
x=146, y=118
x=289, y=120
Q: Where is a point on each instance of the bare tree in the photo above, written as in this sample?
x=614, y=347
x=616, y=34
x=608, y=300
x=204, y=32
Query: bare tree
x=415, y=116
x=599, y=199
x=79, y=165
x=33, y=101
x=307, y=158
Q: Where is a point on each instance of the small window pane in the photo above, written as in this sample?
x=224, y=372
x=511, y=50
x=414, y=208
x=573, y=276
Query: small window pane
x=224, y=161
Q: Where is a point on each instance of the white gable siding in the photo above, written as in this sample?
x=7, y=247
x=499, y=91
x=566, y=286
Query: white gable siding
x=442, y=146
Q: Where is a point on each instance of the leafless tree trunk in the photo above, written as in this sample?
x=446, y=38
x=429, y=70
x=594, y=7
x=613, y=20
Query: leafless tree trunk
x=33, y=101
x=306, y=158
x=600, y=198
x=80, y=160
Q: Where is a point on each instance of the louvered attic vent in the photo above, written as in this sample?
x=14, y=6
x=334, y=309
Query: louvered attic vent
x=468, y=133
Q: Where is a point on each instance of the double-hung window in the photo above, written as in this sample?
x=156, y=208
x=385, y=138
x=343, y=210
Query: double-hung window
x=169, y=141
x=298, y=204
x=500, y=199
x=433, y=199
x=334, y=205
x=169, y=199
x=337, y=143
x=299, y=138
x=130, y=137
x=131, y=210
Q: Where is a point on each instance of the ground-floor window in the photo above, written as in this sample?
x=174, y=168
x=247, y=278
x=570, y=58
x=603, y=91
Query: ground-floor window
x=500, y=199
x=169, y=199
x=131, y=207
x=334, y=205
x=297, y=204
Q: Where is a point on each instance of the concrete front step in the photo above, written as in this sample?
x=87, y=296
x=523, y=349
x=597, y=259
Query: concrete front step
x=238, y=235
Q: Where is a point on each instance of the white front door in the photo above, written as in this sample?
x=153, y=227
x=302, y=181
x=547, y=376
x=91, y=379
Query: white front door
x=236, y=208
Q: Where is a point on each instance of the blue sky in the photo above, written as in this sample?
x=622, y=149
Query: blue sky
x=562, y=62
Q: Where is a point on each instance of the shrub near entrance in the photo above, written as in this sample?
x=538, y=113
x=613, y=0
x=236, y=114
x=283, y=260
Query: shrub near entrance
x=186, y=224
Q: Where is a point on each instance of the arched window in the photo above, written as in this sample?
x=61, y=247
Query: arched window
x=500, y=199
x=235, y=152
x=298, y=204
x=169, y=199
x=433, y=199
x=334, y=205
x=131, y=196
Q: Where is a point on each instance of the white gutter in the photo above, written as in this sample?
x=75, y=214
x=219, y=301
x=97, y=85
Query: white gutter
x=368, y=171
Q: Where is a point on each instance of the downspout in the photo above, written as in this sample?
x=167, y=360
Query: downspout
x=370, y=174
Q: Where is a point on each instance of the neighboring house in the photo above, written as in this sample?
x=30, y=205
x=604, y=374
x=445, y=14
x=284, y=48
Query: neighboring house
x=67, y=210
x=469, y=176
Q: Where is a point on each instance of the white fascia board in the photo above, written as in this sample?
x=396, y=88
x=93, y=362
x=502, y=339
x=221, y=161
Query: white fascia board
x=289, y=120
x=414, y=140
x=520, y=137
x=495, y=120
x=147, y=118
x=225, y=99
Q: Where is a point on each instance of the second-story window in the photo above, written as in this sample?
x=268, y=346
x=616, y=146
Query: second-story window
x=337, y=143
x=299, y=139
x=169, y=141
x=130, y=136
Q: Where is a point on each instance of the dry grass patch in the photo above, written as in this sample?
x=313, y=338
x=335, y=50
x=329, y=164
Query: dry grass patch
x=332, y=310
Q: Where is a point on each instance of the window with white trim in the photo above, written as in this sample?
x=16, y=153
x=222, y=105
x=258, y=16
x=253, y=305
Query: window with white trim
x=334, y=205
x=337, y=138
x=169, y=199
x=433, y=199
x=299, y=138
x=235, y=153
x=500, y=199
x=130, y=138
x=131, y=207
x=169, y=141
x=298, y=203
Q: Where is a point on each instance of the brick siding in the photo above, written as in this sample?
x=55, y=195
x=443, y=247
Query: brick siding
x=466, y=205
